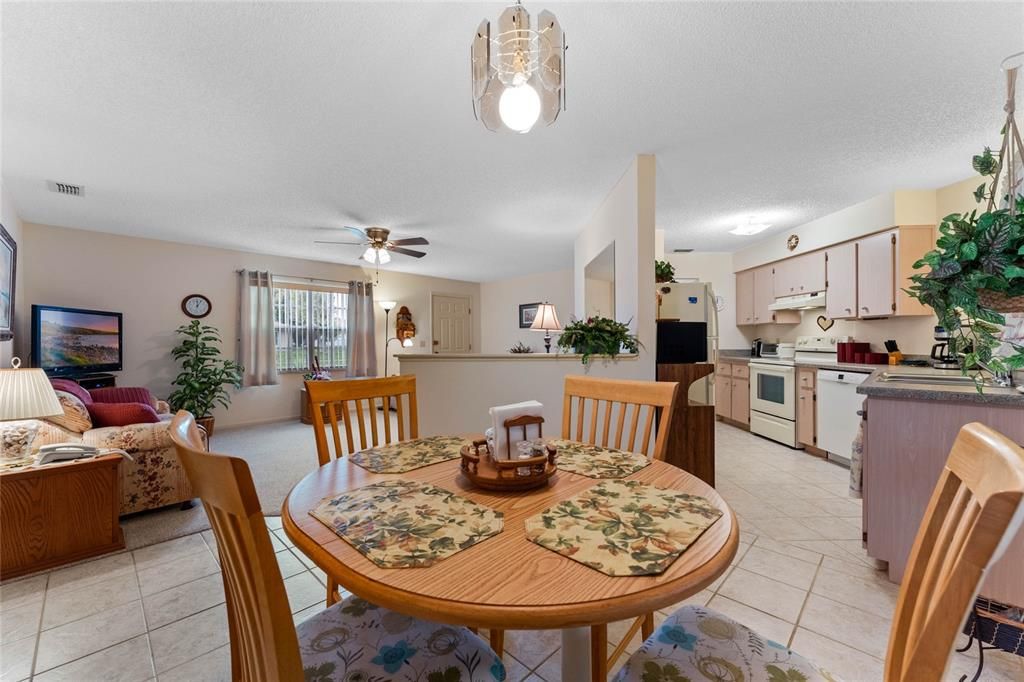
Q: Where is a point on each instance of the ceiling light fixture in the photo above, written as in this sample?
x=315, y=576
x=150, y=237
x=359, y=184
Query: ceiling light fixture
x=519, y=72
x=376, y=256
x=748, y=228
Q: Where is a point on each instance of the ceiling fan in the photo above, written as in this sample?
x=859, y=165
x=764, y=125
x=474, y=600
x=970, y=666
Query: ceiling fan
x=378, y=246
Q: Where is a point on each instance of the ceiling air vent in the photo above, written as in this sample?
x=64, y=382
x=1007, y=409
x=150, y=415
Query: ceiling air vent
x=66, y=188
x=682, y=250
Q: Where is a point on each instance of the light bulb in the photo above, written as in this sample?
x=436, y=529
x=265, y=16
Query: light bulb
x=519, y=107
x=370, y=255
x=407, y=343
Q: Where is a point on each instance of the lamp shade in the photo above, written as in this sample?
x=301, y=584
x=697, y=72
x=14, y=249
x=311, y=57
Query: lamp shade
x=546, y=319
x=27, y=394
x=388, y=306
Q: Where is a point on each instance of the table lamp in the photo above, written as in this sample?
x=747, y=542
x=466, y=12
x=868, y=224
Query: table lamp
x=24, y=394
x=546, y=321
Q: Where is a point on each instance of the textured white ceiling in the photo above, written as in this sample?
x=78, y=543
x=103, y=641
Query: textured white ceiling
x=256, y=126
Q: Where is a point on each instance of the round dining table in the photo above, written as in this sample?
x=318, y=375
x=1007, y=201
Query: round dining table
x=507, y=581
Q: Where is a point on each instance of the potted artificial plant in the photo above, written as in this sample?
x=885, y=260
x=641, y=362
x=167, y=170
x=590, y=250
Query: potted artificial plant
x=664, y=272
x=597, y=336
x=204, y=373
x=977, y=274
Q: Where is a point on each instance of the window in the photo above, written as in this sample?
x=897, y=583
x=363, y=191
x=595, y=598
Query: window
x=310, y=321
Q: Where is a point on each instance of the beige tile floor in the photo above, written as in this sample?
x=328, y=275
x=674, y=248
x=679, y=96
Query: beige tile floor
x=800, y=578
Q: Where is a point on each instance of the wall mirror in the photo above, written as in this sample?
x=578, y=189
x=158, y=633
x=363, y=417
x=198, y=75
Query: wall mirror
x=599, y=284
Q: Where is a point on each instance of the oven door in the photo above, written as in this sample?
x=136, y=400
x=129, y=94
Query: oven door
x=773, y=390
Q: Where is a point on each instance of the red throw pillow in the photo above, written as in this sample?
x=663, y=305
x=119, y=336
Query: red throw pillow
x=122, y=414
x=73, y=388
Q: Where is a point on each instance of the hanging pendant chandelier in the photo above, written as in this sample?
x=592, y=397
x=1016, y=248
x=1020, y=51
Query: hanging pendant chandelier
x=518, y=71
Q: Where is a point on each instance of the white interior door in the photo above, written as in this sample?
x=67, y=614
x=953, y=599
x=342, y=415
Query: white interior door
x=451, y=324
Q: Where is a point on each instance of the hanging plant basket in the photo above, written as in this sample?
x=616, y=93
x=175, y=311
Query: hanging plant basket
x=1000, y=302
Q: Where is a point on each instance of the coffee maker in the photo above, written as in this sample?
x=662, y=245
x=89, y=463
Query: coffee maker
x=942, y=357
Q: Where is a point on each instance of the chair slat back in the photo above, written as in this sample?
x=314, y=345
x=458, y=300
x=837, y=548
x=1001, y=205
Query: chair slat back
x=591, y=405
x=976, y=509
x=357, y=400
x=264, y=645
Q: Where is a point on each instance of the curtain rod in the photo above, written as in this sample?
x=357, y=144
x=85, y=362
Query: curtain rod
x=306, y=279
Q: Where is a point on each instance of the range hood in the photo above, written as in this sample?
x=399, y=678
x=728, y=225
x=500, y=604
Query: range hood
x=801, y=302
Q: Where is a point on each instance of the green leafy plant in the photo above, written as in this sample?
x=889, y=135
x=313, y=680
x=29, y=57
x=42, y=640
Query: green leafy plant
x=204, y=374
x=520, y=348
x=597, y=336
x=663, y=271
x=978, y=259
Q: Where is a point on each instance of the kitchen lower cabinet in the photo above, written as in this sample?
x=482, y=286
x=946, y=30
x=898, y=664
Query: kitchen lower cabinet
x=740, y=400
x=806, y=426
x=723, y=393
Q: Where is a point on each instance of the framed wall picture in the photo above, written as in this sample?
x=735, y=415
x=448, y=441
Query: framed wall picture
x=527, y=312
x=8, y=268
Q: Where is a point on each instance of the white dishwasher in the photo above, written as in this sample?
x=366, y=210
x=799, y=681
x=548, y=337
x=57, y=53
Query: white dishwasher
x=838, y=404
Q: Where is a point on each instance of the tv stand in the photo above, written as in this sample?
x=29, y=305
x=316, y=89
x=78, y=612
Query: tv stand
x=91, y=381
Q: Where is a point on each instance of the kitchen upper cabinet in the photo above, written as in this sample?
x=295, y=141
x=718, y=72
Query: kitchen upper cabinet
x=798, y=275
x=745, y=297
x=841, y=277
x=876, y=275
x=763, y=296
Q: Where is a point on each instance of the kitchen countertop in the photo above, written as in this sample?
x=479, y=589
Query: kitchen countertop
x=743, y=356
x=993, y=395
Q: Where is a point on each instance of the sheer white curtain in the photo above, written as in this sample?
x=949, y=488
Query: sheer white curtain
x=362, y=348
x=256, y=340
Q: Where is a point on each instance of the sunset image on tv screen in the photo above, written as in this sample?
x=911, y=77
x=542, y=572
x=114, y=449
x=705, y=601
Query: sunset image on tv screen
x=69, y=339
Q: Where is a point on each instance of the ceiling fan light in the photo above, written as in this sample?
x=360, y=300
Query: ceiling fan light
x=370, y=255
x=383, y=257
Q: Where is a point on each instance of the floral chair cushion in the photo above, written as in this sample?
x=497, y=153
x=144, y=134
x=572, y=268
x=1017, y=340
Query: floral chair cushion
x=696, y=644
x=356, y=640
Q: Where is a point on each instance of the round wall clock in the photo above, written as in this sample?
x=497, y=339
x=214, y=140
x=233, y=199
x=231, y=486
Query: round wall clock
x=196, y=305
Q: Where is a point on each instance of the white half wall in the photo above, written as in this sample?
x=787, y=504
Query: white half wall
x=499, y=308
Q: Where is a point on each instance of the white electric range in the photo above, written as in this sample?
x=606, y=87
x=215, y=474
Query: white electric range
x=773, y=392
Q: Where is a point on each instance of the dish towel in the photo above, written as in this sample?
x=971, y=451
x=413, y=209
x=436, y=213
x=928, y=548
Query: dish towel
x=857, y=462
x=501, y=414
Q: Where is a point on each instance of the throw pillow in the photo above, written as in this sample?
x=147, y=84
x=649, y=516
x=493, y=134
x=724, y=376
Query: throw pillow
x=76, y=414
x=73, y=388
x=122, y=414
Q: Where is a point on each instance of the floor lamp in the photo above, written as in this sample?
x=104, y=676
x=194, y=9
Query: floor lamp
x=388, y=306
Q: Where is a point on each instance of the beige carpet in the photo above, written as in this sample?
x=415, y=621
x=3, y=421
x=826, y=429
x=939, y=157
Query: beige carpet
x=279, y=455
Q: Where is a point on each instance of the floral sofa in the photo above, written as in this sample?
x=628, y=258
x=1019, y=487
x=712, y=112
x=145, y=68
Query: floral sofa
x=155, y=477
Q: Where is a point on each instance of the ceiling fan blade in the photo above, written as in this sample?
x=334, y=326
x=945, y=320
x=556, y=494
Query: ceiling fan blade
x=410, y=241
x=406, y=252
x=344, y=243
x=356, y=231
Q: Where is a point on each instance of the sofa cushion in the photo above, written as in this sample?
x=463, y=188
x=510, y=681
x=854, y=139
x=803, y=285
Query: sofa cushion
x=129, y=394
x=122, y=414
x=76, y=415
x=73, y=388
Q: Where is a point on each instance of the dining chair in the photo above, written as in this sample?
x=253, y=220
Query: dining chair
x=353, y=639
x=358, y=400
x=596, y=412
x=976, y=509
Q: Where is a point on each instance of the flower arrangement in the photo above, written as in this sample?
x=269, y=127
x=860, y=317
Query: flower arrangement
x=597, y=336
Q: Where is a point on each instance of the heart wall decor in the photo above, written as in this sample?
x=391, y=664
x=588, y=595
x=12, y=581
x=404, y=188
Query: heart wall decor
x=825, y=323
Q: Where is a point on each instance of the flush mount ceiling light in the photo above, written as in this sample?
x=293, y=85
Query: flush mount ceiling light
x=749, y=227
x=518, y=71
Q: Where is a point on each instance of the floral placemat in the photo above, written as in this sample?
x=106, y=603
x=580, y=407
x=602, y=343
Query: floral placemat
x=623, y=527
x=597, y=462
x=400, y=524
x=407, y=455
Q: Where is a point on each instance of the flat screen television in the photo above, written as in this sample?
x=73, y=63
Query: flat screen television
x=72, y=341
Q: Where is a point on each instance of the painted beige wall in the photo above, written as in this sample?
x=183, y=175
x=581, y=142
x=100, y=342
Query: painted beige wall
x=9, y=219
x=146, y=279
x=914, y=334
x=625, y=218
x=499, y=308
